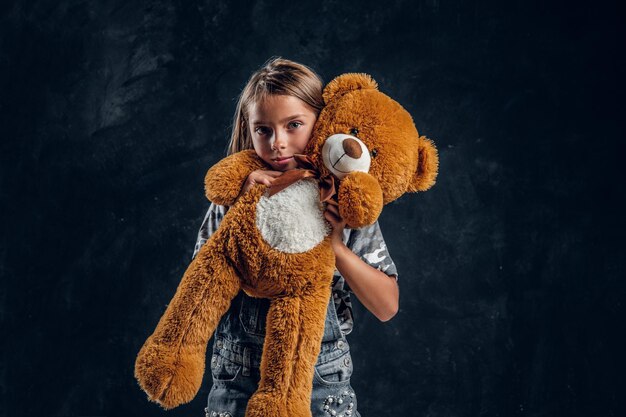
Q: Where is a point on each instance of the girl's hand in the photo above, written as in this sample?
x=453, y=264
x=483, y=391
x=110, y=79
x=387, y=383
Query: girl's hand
x=338, y=224
x=259, y=177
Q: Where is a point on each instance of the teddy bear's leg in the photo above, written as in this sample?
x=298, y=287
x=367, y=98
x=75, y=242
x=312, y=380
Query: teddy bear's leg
x=314, y=306
x=170, y=365
x=281, y=338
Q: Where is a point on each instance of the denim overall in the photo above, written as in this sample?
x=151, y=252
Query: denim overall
x=237, y=357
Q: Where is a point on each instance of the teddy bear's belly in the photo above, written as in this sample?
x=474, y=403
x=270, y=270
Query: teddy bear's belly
x=292, y=220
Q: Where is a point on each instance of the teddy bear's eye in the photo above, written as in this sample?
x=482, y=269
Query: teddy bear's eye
x=374, y=153
x=354, y=131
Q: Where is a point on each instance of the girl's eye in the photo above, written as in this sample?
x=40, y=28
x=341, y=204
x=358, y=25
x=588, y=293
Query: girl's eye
x=261, y=130
x=295, y=125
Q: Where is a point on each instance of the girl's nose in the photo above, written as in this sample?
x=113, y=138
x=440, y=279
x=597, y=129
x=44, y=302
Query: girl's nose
x=280, y=141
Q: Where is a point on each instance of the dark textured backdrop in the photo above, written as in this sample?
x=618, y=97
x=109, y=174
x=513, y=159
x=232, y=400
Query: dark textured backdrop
x=511, y=268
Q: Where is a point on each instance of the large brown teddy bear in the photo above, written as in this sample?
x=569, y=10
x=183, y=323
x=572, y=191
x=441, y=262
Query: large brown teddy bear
x=274, y=243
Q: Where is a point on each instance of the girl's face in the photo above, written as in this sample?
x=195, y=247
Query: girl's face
x=280, y=127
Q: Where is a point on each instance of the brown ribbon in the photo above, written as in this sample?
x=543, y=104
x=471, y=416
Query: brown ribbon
x=306, y=169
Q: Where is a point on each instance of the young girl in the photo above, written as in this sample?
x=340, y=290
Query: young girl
x=275, y=115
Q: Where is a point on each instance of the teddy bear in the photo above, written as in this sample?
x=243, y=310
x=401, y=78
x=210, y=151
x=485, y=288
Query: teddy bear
x=274, y=243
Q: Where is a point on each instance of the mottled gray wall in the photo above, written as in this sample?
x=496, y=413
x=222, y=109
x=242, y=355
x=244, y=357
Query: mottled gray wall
x=511, y=267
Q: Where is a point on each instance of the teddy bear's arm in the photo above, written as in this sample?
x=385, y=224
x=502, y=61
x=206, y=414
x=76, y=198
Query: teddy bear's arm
x=224, y=180
x=360, y=199
x=170, y=365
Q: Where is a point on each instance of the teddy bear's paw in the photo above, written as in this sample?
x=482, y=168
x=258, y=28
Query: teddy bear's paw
x=266, y=404
x=169, y=378
x=360, y=199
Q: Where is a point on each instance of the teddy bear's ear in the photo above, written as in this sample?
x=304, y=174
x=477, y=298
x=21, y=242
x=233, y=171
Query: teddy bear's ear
x=346, y=83
x=427, y=166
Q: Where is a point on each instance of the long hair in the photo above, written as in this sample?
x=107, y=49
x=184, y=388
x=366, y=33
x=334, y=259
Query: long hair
x=278, y=76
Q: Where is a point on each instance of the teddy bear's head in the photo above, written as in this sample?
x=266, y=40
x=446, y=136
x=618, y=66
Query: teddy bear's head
x=362, y=130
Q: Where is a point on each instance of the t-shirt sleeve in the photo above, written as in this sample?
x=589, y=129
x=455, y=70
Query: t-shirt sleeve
x=211, y=222
x=368, y=243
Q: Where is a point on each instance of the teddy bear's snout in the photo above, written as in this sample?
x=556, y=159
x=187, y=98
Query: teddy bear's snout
x=343, y=154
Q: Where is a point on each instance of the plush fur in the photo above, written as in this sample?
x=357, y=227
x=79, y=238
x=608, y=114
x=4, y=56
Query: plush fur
x=292, y=221
x=248, y=252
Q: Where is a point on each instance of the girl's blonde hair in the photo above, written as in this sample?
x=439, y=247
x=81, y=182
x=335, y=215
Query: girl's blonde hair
x=278, y=76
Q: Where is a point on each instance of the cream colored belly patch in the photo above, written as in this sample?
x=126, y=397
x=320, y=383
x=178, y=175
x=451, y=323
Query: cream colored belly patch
x=292, y=220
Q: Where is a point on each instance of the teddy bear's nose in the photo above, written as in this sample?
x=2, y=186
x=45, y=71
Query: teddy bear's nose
x=352, y=148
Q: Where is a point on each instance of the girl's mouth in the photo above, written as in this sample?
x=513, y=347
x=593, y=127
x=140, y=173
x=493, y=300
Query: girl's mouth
x=283, y=160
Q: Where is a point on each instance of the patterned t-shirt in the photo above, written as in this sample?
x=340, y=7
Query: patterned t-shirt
x=366, y=242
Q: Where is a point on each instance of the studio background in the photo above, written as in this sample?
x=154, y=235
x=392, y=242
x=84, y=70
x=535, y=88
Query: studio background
x=511, y=267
